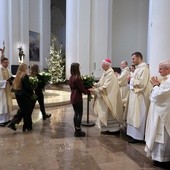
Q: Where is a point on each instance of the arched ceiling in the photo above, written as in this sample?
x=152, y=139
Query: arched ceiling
x=61, y=4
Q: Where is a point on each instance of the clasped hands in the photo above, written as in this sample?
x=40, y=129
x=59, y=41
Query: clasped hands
x=154, y=81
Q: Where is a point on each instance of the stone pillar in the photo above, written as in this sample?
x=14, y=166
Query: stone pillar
x=71, y=34
x=101, y=34
x=24, y=28
x=158, y=33
x=45, y=30
x=4, y=34
x=17, y=22
x=84, y=36
x=88, y=34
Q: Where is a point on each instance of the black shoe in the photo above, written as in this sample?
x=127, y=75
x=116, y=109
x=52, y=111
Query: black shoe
x=136, y=141
x=79, y=133
x=105, y=132
x=2, y=124
x=115, y=133
x=5, y=123
x=46, y=116
x=110, y=133
x=83, y=133
x=26, y=129
x=12, y=126
x=133, y=141
x=29, y=129
x=164, y=165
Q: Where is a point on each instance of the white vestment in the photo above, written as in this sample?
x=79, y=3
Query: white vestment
x=5, y=96
x=140, y=89
x=157, y=135
x=124, y=89
x=107, y=102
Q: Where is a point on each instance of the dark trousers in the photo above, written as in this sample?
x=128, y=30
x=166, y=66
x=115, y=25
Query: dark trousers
x=78, y=113
x=24, y=111
x=40, y=98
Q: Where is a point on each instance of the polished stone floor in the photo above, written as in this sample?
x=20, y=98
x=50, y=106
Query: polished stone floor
x=52, y=145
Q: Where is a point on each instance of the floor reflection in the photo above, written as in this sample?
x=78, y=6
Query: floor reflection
x=52, y=145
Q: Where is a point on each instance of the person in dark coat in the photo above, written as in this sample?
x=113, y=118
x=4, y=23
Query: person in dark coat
x=39, y=91
x=77, y=88
x=23, y=93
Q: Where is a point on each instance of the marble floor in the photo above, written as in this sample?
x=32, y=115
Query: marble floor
x=52, y=145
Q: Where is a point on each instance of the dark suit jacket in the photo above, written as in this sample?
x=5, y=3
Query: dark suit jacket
x=41, y=84
x=26, y=89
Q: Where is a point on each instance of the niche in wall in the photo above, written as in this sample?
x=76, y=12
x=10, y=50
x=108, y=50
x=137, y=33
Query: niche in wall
x=58, y=22
x=34, y=46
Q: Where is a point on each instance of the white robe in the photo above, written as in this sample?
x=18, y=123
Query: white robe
x=140, y=89
x=5, y=103
x=158, y=123
x=4, y=116
x=124, y=89
x=107, y=102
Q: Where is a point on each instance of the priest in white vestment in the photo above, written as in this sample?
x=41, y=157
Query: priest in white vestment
x=124, y=86
x=157, y=135
x=107, y=101
x=140, y=89
x=5, y=93
x=132, y=69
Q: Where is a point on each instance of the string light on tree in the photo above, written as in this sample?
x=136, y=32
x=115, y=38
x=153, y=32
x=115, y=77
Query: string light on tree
x=56, y=63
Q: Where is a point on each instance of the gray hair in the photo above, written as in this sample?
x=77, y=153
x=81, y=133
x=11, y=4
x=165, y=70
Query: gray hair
x=165, y=63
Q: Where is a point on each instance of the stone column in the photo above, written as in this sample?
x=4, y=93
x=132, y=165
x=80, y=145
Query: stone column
x=23, y=39
x=84, y=36
x=158, y=33
x=71, y=34
x=101, y=34
x=4, y=28
x=45, y=30
x=88, y=34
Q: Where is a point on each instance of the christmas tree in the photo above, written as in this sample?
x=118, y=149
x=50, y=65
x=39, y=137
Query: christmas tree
x=56, y=63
